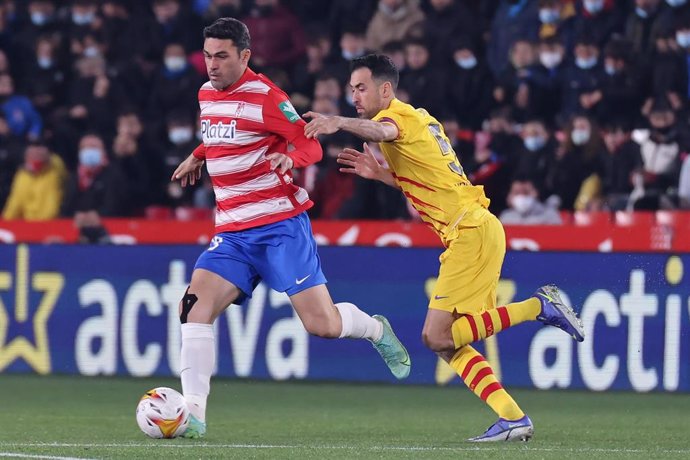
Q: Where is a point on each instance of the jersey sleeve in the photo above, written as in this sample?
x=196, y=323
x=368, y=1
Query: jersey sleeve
x=281, y=118
x=393, y=117
x=200, y=152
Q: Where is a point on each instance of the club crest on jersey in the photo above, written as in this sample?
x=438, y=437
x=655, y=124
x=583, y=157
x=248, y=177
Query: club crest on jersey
x=218, y=131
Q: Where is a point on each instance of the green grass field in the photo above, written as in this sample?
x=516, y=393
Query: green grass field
x=78, y=417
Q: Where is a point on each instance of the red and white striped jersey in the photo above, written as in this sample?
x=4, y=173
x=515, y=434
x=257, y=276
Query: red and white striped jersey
x=240, y=125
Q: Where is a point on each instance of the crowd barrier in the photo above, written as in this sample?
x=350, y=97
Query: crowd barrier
x=112, y=310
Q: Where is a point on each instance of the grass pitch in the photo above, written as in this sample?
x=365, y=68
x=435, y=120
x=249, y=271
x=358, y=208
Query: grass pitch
x=79, y=417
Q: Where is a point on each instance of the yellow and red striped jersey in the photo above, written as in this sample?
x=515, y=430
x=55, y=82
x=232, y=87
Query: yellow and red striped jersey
x=427, y=170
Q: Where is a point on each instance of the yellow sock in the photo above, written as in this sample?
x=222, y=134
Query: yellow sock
x=471, y=328
x=477, y=374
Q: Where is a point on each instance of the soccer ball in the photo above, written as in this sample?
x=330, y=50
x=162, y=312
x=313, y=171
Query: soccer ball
x=162, y=413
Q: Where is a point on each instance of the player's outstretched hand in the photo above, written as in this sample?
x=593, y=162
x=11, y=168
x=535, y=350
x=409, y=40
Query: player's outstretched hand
x=280, y=161
x=363, y=164
x=189, y=171
x=320, y=124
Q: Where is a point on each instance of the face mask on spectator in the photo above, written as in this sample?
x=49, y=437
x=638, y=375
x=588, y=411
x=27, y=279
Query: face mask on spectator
x=610, y=69
x=82, y=19
x=586, y=63
x=350, y=55
x=675, y=3
x=548, y=15
x=641, y=12
x=683, y=39
x=580, y=136
x=466, y=63
x=175, y=63
x=44, y=62
x=534, y=143
x=39, y=18
x=90, y=156
x=523, y=203
x=395, y=14
x=92, y=51
x=550, y=59
x=35, y=166
x=593, y=6
x=180, y=135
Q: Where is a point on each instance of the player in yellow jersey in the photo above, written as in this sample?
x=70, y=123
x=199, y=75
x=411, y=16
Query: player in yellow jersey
x=422, y=163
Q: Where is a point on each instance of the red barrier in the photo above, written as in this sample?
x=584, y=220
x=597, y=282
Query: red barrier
x=661, y=231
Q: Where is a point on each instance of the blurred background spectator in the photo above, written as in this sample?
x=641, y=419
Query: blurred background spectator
x=521, y=87
x=525, y=207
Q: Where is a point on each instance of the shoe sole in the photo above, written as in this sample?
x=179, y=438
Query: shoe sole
x=568, y=313
x=407, y=363
x=522, y=433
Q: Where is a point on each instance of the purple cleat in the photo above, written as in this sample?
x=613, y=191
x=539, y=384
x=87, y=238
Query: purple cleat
x=555, y=313
x=507, y=430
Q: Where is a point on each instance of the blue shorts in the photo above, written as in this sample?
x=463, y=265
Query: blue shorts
x=282, y=253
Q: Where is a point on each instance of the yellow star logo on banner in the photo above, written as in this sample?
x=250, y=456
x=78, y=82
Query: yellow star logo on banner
x=36, y=355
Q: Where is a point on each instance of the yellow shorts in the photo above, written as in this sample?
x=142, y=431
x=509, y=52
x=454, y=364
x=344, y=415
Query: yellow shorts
x=470, y=269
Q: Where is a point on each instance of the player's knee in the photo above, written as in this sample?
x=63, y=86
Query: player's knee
x=436, y=343
x=192, y=311
x=322, y=327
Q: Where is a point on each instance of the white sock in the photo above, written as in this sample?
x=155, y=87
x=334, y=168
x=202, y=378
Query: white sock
x=196, y=361
x=357, y=324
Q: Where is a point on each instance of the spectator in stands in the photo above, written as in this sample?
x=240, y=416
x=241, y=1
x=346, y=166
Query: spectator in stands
x=675, y=9
x=43, y=23
x=674, y=67
x=661, y=157
x=619, y=95
x=514, y=19
x=644, y=25
x=331, y=188
x=277, y=36
x=536, y=154
x=557, y=21
x=20, y=114
x=552, y=62
x=91, y=229
x=393, y=20
x=313, y=64
x=352, y=45
x=176, y=87
x=469, y=86
x=620, y=163
x=446, y=20
x=180, y=141
x=128, y=158
x=487, y=168
x=505, y=141
x=582, y=80
x=92, y=101
x=684, y=184
x=421, y=80
x=525, y=207
x=11, y=151
x=37, y=188
x=119, y=29
x=46, y=87
x=522, y=85
x=349, y=15
x=373, y=199
x=396, y=51
x=599, y=20
x=97, y=185
x=222, y=9
x=576, y=159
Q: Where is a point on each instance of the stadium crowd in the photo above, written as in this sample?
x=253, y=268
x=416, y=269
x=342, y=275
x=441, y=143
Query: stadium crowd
x=550, y=104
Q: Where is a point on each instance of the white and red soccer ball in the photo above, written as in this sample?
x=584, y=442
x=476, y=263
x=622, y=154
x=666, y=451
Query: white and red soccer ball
x=162, y=413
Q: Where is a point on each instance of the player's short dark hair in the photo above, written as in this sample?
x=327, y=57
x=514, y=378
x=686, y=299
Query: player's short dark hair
x=229, y=29
x=381, y=66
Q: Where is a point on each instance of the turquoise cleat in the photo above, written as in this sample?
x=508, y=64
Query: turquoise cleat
x=392, y=350
x=196, y=428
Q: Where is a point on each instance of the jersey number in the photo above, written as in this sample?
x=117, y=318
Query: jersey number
x=446, y=149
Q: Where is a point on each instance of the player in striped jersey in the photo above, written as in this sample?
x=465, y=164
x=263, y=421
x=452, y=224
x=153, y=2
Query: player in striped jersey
x=422, y=163
x=263, y=232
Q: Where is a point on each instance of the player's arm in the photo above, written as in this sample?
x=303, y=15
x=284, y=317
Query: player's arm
x=280, y=118
x=189, y=171
x=368, y=130
x=365, y=165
